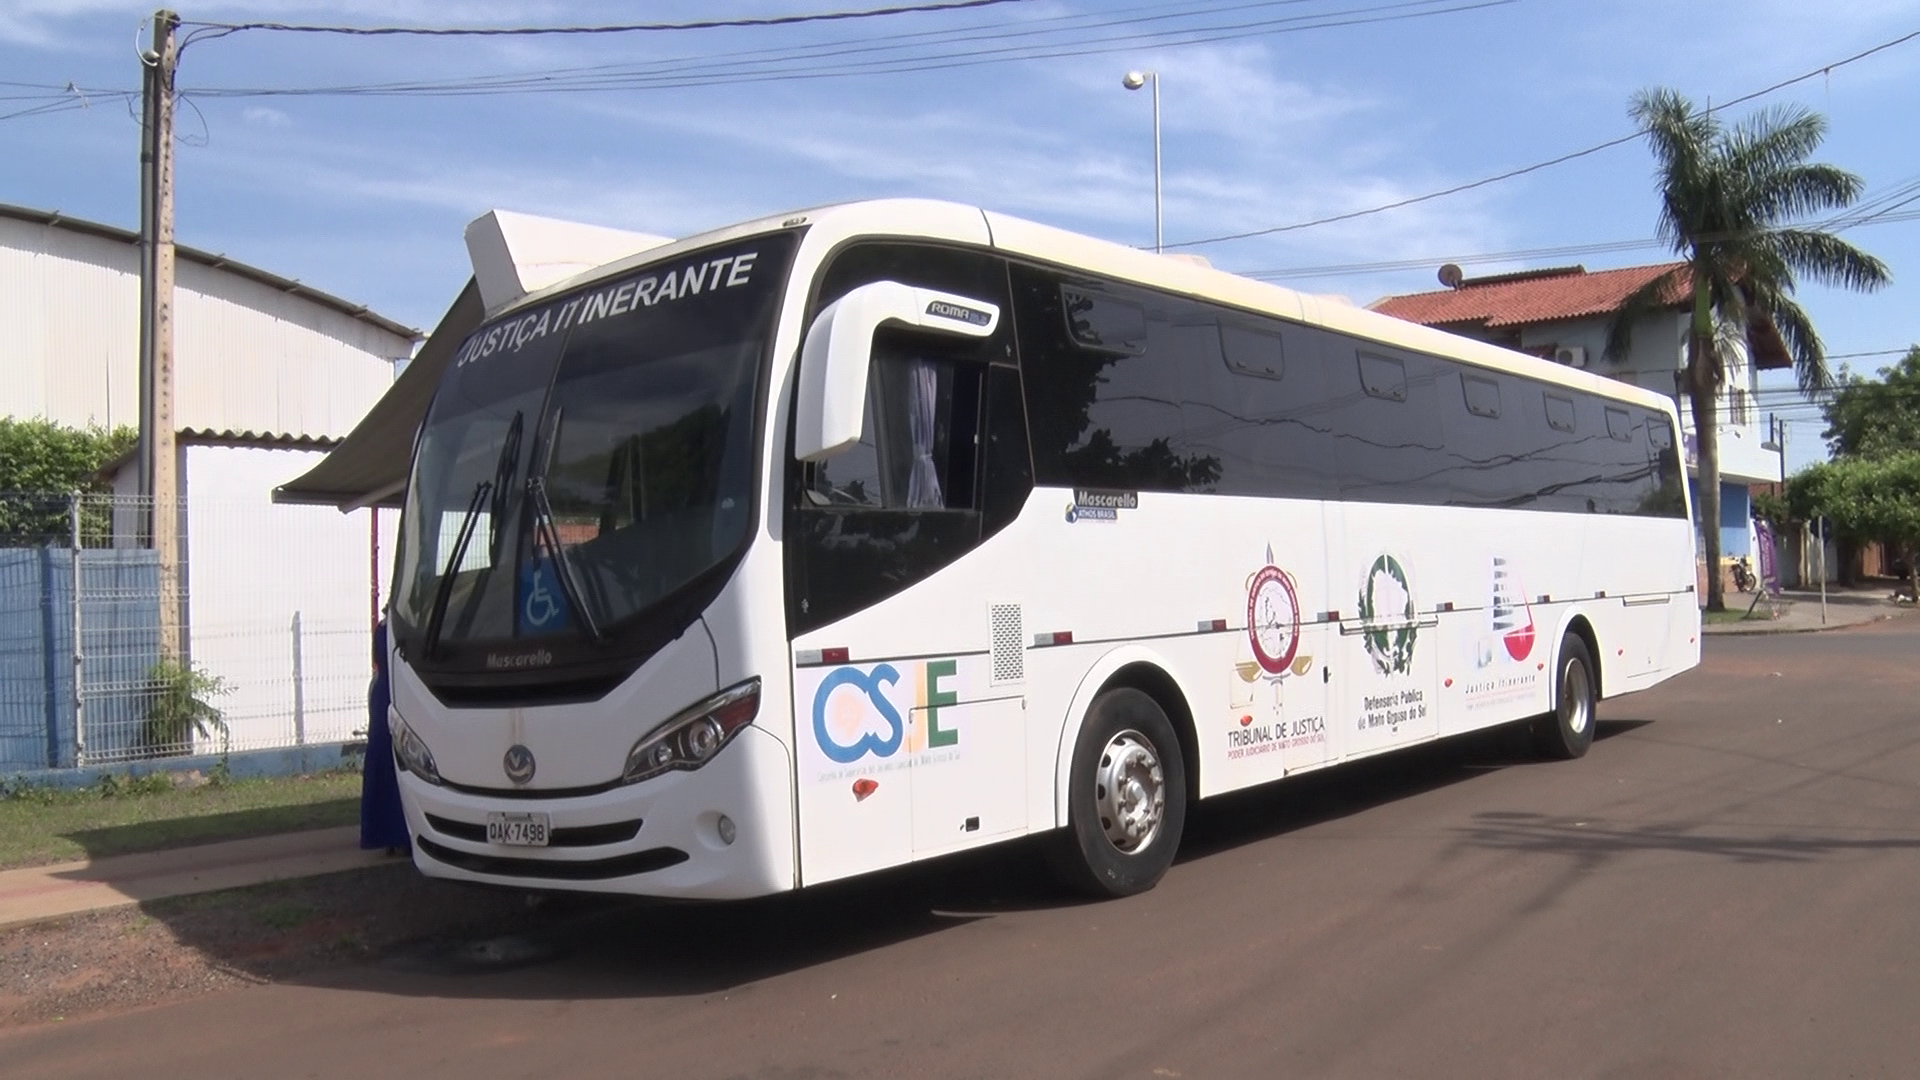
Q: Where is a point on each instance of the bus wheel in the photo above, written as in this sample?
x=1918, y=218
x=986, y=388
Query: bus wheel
x=1567, y=731
x=1126, y=798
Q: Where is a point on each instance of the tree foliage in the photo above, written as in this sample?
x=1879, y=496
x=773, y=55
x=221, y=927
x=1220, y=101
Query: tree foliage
x=1774, y=509
x=1876, y=418
x=1733, y=203
x=42, y=456
x=1867, y=499
x=40, y=463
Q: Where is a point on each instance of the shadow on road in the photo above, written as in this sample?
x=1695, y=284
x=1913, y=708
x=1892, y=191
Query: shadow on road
x=171, y=832
x=436, y=938
x=1274, y=809
x=1596, y=840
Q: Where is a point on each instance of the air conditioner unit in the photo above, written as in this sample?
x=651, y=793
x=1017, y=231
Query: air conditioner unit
x=1571, y=355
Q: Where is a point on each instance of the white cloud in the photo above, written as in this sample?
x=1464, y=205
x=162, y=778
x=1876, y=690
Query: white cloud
x=261, y=114
x=40, y=24
x=1244, y=150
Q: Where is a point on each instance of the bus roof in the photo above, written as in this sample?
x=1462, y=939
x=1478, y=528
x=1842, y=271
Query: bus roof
x=362, y=470
x=1060, y=247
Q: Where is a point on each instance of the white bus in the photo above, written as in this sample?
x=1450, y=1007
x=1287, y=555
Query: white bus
x=834, y=541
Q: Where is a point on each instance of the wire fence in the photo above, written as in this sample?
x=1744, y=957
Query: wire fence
x=233, y=626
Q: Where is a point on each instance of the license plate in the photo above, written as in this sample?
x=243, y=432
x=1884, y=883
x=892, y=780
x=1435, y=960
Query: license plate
x=521, y=830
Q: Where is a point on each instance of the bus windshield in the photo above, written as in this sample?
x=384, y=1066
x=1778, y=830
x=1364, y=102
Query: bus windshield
x=584, y=459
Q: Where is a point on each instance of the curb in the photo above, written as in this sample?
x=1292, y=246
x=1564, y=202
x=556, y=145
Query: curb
x=1736, y=630
x=38, y=894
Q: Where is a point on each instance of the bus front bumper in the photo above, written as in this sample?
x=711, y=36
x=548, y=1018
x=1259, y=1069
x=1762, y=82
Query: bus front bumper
x=661, y=837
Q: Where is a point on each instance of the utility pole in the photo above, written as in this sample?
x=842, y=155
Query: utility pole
x=159, y=461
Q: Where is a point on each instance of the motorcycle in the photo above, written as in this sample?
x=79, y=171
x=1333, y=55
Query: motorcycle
x=1743, y=579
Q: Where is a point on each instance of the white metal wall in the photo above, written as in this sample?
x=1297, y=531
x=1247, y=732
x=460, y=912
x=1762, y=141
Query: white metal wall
x=249, y=357
x=279, y=598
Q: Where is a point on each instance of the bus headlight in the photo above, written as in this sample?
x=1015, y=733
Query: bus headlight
x=413, y=754
x=692, y=738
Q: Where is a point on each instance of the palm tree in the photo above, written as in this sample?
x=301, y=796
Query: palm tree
x=1730, y=198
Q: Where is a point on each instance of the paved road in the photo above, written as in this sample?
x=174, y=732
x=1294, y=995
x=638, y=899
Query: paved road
x=1724, y=886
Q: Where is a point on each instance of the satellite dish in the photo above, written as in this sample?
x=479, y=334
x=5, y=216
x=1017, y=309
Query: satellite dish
x=1450, y=276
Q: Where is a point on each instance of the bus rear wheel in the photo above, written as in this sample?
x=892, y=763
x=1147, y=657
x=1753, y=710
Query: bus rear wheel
x=1126, y=798
x=1567, y=731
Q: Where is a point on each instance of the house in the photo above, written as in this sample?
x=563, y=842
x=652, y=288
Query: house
x=1563, y=314
x=278, y=600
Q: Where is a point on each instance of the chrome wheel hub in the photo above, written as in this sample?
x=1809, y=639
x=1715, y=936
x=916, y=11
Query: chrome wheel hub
x=1130, y=791
x=1576, y=698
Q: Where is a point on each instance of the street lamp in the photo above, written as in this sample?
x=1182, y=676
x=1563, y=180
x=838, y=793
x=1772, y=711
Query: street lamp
x=1134, y=80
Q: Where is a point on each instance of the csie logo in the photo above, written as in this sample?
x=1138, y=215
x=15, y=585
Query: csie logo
x=858, y=712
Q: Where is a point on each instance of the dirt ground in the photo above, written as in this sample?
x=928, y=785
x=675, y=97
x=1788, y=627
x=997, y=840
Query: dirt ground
x=178, y=948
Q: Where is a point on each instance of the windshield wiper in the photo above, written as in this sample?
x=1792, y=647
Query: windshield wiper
x=550, y=535
x=497, y=487
x=503, y=472
x=444, y=591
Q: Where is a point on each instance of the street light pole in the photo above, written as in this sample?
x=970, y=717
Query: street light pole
x=1134, y=80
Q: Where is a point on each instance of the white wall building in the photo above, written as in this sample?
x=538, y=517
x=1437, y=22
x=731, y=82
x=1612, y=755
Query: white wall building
x=269, y=374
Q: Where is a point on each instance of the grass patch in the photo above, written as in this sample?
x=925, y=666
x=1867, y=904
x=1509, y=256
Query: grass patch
x=41, y=825
x=1760, y=614
x=284, y=915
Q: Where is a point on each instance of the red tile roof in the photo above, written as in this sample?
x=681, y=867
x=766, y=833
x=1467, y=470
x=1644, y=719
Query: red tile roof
x=1530, y=297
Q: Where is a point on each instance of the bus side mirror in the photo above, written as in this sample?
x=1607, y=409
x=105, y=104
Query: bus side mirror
x=839, y=349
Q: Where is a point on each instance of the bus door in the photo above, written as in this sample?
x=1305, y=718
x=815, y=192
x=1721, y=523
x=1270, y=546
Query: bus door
x=910, y=714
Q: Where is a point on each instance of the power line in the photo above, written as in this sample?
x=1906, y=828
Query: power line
x=1870, y=352
x=45, y=108
x=1537, y=166
x=577, y=80
x=200, y=29
x=686, y=72
x=808, y=51
x=912, y=52
x=625, y=75
x=1601, y=247
x=821, y=50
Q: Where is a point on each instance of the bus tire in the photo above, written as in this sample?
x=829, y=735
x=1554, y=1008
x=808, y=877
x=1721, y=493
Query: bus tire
x=1567, y=731
x=1126, y=798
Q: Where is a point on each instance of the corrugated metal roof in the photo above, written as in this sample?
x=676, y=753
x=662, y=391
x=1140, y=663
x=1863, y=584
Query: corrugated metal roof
x=264, y=440
x=55, y=219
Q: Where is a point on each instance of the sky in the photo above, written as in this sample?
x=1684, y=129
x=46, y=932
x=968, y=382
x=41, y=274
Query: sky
x=1273, y=113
